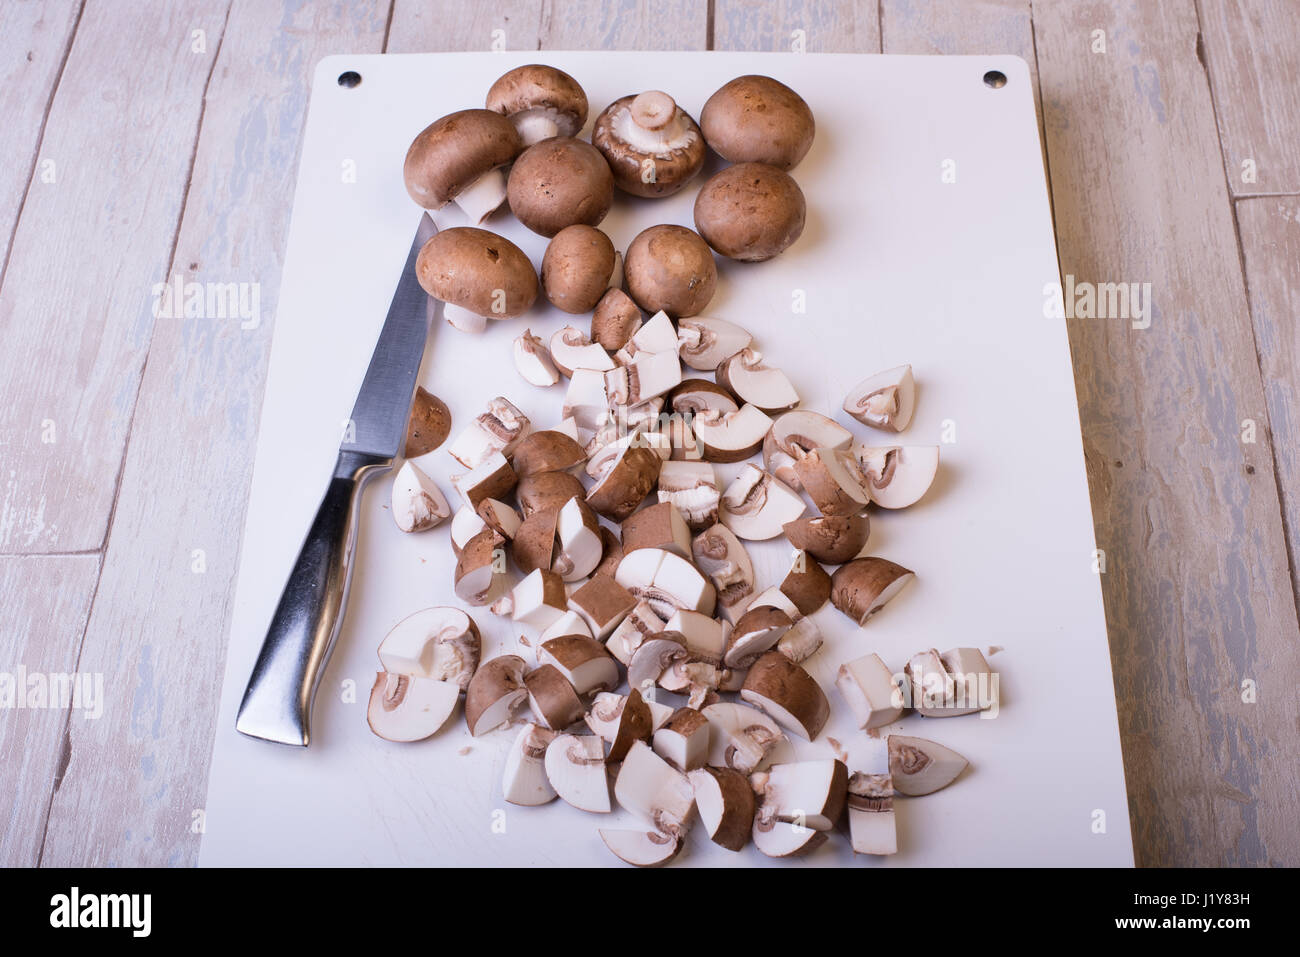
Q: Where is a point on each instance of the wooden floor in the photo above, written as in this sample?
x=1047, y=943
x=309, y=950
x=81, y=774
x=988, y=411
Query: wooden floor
x=162, y=136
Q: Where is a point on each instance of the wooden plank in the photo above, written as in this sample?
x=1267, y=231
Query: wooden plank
x=1270, y=242
x=76, y=306
x=1252, y=53
x=46, y=599
x=34, y=39
x=160, y=619
x=970, y=27
x=623, y=25
x=808, y=26
x=422, y=27
x=1198, y=599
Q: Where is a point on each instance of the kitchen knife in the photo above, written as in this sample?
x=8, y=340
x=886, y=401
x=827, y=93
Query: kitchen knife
x=278, y=700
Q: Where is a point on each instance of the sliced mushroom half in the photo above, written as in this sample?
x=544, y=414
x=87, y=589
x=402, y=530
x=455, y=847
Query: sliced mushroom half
x=725, y=802
x=575, y=766
x=920, y=766
x=417, y=503
x=897, y=476
x=756, y=506
x=752, y=380
x=649, y=787
x=410, y=708
x=731, y=436
x=885, y=400
x=795, y=434
x=721, y=555
x=863, y=586
x=494, y=694
x=438, y=643
x=704, y=342
x=524, y=780
x=788, y=693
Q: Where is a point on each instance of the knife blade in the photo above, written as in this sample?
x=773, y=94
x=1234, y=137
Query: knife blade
x=277, y=703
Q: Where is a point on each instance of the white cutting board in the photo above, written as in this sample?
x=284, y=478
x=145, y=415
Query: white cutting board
x=895, y=265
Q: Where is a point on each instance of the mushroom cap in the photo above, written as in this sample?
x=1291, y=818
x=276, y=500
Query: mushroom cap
x=834, y=539
x=756, y=119
x=470, y=267
x=615, y=320
x=452, y=152
x=559, y=182
x=750, y=211
x=536, y=86
x=576, y=267
x=675, y=149
x=670, y=268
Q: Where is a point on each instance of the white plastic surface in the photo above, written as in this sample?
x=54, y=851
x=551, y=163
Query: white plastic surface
x=895, y=265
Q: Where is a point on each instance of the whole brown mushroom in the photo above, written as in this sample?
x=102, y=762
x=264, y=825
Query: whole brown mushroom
x=653, y=146
x=577, y=268
x=560, y=182
x=458, y=158
x=540, y=101
x=750, y=211
x=756, y=119
x=670, y=268
x=478, y=274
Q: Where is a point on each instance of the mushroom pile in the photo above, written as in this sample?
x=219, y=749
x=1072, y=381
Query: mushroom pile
x=663, y=674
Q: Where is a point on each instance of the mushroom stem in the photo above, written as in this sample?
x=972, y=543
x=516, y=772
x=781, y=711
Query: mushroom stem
x=480, y=198
x=465, y=320
x=535, y=126
x=653, y=109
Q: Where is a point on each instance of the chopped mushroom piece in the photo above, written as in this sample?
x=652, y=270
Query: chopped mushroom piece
x=579, y=548
x=533, y=361
x=863, y=586
x=899, y=475
x=806, y=584
x=575, y=766
x=751, y=380
x=640, y=624
x=429, y=425
x=553, y=701
x=657, y=526
x=547, y=491
x=417, y=503
x=834, y=539
x=641, y=848
x=620, y=720
x=920, y=766
x=807, y=793
x=868, y=686
x=755, y=633
x=409, y=708
x=871, y=814
x=615, y=320
x=667, y=581
x=499, y=429
x=571, y=350
x=885, y=400
x=794, y=435
x=493, y=478
x=732, y=436
x=583, y=661
x=524, y=780
x=703, y=635
x=603, y=604
x=439, y=643
x=654, y=791
x=480, y=569
x=494, y=694
x=756, y=506
x=742, y=737
x=546, y=451
x=624, y=487
x=725, y=802
x=704, y=343
x=684, y=741
x=788, y=693
x=833, y=481
x=539, y=599
x=692, y=489
x=720, y=555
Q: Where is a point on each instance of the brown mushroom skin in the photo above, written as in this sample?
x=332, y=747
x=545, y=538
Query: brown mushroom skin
x=576, y=268
x=477, y=270
x=670, y=268
x=560, y=182
x=438, y=165
x=672, y=171
x=833, y=539
x=750, y=212
x=615, y=320
x=538, y=86
x=543, y=490
x=429, y=426
x=756, y=119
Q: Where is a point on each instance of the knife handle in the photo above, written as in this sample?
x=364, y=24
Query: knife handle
x=278, y=700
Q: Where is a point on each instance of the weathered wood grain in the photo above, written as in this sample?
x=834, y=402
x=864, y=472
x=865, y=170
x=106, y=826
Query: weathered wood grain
x=44, y=601
x=75, y=309
x=808, y=26
x=1269, y=228
x=1252, y=52
x=422, y=27
x=34, y=39
x=158, y=629
x=623, y=25
x=1197, y=594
